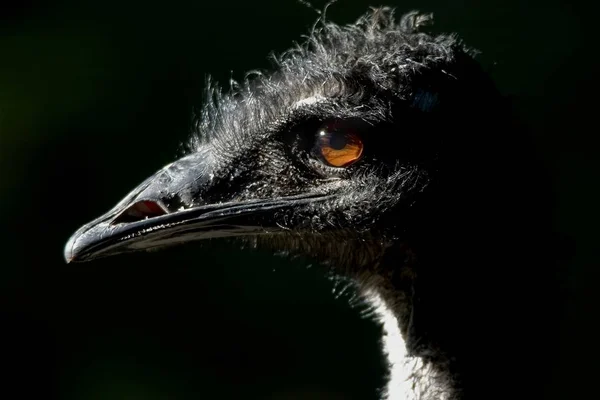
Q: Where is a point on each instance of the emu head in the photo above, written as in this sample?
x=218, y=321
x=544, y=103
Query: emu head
x=363, y=135
x=388, y=153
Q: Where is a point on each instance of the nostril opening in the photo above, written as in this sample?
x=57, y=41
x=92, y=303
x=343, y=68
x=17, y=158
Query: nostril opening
x=139, y=211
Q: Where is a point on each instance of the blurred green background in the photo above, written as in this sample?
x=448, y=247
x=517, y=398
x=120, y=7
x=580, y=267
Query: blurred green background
x=95, y=96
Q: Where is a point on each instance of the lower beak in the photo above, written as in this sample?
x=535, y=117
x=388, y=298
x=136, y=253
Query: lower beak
x=108, y=236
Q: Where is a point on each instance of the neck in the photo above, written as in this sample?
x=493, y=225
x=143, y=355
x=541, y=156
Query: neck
x=418, y=369
x=385, y=273
x=410, y=377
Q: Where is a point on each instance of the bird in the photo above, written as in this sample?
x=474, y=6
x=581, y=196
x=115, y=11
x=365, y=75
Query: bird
x=387, y=153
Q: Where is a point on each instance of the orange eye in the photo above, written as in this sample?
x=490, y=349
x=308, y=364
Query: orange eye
x=339, y=146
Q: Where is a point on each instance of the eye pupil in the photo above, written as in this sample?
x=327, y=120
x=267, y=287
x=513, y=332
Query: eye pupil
x=338, y=141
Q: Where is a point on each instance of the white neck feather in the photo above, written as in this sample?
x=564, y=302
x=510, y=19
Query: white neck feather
x=410, y=378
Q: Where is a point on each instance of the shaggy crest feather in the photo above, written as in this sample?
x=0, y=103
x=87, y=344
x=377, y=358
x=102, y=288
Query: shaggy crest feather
x=337, y=62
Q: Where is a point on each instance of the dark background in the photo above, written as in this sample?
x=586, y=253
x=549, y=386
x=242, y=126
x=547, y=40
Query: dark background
x=96, y=96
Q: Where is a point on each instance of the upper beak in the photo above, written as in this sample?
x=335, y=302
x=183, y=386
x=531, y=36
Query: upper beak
x=168, y=208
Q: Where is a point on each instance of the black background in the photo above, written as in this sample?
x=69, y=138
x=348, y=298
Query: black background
x=95, y=96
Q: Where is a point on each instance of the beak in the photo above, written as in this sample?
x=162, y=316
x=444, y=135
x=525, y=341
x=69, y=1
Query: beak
x=168, y=208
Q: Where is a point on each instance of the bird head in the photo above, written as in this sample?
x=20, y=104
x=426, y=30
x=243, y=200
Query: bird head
x=363, y=134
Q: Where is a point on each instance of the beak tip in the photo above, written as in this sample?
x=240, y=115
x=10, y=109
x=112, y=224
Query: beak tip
x=70, y=249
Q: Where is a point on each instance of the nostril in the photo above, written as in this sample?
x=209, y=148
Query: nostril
x=140, y=210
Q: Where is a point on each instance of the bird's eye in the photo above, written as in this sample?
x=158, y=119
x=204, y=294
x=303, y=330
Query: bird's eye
x=338, y=144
